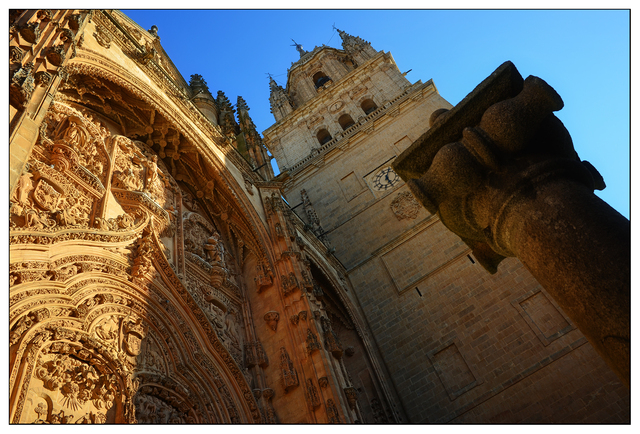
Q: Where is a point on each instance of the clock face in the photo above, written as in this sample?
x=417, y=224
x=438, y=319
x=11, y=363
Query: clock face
x=385, y=179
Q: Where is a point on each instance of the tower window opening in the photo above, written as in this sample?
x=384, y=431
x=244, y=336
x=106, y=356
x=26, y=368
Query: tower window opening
x=323, y=136
x=345, y=121
x=368, y=106
x=320, y=78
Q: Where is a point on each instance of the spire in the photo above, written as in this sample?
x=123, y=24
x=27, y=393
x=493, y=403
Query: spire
x=227, y=120
x=249, y=142
x=359, y=49
x=280, y=103
x=223, y=102
x=299, y=48
x=198, y=85
x=273, y=86
x=242, y=104
x=247, y=127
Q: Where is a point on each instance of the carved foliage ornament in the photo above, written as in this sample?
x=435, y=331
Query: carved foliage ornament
x=22, y=85
x=332, y=411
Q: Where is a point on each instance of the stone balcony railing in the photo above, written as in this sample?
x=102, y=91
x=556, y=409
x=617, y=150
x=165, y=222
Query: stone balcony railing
x=359, y=126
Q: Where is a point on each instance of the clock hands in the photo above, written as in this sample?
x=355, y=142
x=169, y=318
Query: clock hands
x=388, y=182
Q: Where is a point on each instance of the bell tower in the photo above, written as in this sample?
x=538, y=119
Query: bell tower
x=438, y=319
x=343, y=117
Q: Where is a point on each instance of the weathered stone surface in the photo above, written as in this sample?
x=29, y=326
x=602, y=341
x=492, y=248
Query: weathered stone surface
x=158, y=275
x=511, y=184
x=144, y=262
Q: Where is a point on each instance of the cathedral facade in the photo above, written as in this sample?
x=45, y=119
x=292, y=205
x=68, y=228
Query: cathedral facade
x=160, y=273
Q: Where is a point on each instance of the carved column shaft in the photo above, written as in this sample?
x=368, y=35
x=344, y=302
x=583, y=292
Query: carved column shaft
x=501, y=172
x=578, y=248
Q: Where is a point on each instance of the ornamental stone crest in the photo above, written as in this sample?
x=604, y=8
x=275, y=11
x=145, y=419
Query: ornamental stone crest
x=404, y=206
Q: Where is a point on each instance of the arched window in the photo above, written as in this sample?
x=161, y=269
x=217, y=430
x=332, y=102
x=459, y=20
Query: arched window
x=345, y=121
x=368, y=106
x=323, y=136
x=320, y=78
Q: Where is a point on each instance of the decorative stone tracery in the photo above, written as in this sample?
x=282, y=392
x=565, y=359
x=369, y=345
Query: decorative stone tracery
x=133, y=245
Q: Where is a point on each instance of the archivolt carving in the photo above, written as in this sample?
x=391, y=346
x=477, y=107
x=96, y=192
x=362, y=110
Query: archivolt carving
x=78, y=380
x=63, y=269
x=174, y=282
x=149, y=96
x=119, y=336
x=222, y=314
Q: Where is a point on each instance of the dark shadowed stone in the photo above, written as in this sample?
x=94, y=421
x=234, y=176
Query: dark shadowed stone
x=501, y=172
x=505, y=82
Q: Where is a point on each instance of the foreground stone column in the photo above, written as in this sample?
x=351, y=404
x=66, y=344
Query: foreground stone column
x=501, y=172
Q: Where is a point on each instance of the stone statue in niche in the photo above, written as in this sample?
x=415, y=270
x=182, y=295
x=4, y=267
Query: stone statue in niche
x=73, y=136
x=153, y=360
x=189, y=202
x=151, y=172
x=197, y=231
x=21, y=197
x=214, y=249
x=234, y=334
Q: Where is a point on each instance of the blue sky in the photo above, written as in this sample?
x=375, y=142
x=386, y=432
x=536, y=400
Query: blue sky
x=583, y=54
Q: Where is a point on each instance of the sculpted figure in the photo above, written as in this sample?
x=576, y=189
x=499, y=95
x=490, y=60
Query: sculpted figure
x=232, y=327
x=214, y=248
x=33, y=219
x=24, y=187
x=73, y=135
x=151, y=173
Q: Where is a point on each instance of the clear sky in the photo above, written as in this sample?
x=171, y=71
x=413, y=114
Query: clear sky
x=583, y=54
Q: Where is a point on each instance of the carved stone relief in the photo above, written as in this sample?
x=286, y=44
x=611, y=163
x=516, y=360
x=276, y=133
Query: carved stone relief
x=405, y=206
x=289, y=373
x=272, y=319
x=332, y=411
x=312, y=342
x=313, y=397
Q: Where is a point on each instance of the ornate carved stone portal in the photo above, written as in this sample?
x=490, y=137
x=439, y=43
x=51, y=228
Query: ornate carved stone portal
x=141, y=273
